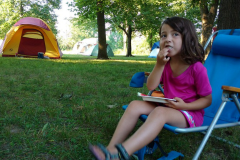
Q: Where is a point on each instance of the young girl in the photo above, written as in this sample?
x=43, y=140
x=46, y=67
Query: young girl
x=179, y=67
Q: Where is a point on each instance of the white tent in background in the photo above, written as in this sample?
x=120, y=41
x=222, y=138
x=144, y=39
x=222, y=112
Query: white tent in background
x=154, y=53
x=88, y=51
x=82, y=46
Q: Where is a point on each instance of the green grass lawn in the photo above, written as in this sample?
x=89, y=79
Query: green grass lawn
x=52, y=109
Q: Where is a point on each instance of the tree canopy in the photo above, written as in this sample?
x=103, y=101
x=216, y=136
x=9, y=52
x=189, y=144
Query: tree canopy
x=138, y=16
x=122, y=16
x=13, y=10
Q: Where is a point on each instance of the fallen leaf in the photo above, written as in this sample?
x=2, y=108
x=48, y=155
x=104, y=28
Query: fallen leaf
x=80, y=107
x=112, y=106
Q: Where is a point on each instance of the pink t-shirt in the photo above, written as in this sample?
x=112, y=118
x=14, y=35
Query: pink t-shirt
x=189, y=86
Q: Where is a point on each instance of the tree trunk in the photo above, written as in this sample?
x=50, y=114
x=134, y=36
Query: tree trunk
x=208, y=17
x=229, y=14
x=124, y=37
x=21, y=9
x=124, y=41
x=151, y=40
x=129, y=41
x=102, y=46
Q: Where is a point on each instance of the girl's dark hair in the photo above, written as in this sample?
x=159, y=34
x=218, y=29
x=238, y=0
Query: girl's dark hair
x=191, y=51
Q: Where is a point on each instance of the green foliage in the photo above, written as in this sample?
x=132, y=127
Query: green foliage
x=65, y=43
x=83, y=28
x=88, y=9
x=140, y=45
x=80, y=29
x=13, y=10
x=181, y=8
x=115, y=40
x=85, y=8
x=186, y=9
x=143, y=16
x=7, y=16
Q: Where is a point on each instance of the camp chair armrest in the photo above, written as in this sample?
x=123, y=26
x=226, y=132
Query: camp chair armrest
x=231, y=89
x=147, y=73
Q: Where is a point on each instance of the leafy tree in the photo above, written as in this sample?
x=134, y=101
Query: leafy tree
x=229, y=12
x=184, y=8
x=122, y=14
x=95, y=10
x=146, y=16
x=136, y=16
x=151, y=15
x=82, y=28
x=208, y=10
x=65, y=43
x=102, y=44
x=115, y=40
x=139, y=16
x=13, y=10
x=181, y=8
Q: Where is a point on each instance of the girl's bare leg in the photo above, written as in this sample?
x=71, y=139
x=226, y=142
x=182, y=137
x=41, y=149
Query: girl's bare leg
x=157, y=117
x=129, y=121
x=153, y=125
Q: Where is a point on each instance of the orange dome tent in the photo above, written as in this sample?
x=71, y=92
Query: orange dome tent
x=29, y=36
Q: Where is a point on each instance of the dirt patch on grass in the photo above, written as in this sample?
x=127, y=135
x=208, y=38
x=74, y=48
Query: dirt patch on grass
x=14, y=129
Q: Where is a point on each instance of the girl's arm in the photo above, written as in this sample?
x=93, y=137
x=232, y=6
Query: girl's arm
x=200, y=103
x=155, y=76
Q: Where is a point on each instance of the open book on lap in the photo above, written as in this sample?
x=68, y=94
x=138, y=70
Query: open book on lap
x=154, y=99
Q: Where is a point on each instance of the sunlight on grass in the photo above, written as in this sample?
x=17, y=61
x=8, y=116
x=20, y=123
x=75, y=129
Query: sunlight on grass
x=127, y=61
x=85, y=59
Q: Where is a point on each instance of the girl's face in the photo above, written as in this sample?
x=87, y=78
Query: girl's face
x=170, y=39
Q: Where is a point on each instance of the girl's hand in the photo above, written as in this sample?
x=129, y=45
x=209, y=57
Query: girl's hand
x=162, y=57
x=178, y=104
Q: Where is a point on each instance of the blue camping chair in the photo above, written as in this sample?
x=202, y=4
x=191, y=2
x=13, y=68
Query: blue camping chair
x=222, y=65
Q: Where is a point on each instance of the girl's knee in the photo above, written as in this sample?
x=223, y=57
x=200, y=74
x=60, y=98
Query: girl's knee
x=140, y=107
x=158, y=115
x=132, y=109
x=159, y=111
x=133, y=105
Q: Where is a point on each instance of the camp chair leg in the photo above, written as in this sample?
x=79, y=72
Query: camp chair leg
x=169, y=156
x=209, y=131
x=172, y=155
x=140, y=153
x=161, y=149
x=235, y=100
x=149, y=149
